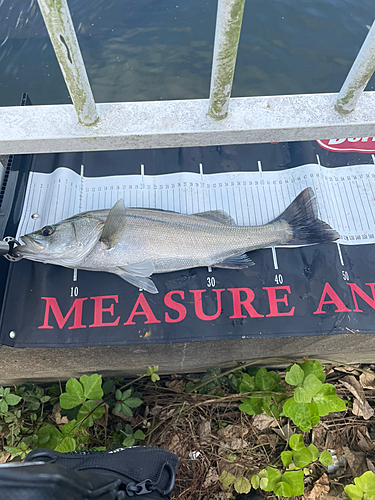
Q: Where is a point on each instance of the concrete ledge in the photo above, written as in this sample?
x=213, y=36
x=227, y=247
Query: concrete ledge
x=170, y=124
x=41, y=365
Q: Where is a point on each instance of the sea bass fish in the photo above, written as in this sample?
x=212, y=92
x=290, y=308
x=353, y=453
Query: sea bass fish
x=136, y=243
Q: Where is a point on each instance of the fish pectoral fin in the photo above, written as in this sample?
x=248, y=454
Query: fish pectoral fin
x=115, y=221
x=142, y=269
x=217, y=216
x=240, y=261
x=140, y=282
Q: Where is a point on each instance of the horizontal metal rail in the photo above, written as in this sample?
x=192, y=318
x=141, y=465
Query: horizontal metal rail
x=168, y=124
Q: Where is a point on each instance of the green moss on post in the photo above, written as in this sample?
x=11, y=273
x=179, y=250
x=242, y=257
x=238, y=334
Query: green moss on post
x=228, y=29
x=60, y=28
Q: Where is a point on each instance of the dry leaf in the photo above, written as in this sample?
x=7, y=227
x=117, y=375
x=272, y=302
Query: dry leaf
x=232, y=431
x=331, y=441
x=321, y=487
x=176, y=385
x=364, y=443
x=370, y=465
x=318, y=435
x=270, y=439
x=175, y=445
x=356, y=461
x=231, y=437
x=263, y=421
x=212, y=477
x=204, y=429
x=347, y=369
x=367, y=381
x=4, y=457
x=361, y=407
x=285, y=432
x=56, y=415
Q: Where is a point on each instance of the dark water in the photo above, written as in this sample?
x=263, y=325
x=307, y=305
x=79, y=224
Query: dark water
x=162, y=49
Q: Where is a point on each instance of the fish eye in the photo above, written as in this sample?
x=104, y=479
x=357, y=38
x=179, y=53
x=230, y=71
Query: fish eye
x=47, y=230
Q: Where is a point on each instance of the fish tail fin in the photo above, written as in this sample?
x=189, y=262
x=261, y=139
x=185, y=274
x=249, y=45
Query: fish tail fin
x=302, y=217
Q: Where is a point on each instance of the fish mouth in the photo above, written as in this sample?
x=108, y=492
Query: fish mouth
x=30, y=246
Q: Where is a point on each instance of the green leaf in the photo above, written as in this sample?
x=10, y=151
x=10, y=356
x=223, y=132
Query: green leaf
x=302, y=457
x=314, y=452
x=118, y=395
x=126, y=394
x=304, y=415
x=311, y=386
x=133, y=402
x=68, y=428
x=283, y=489
x=155, y=377
x=366, y=482
x=266, y=381
x=247, y=383
x=3, y=406
x=92, y=386
x=139, y=435
x=128, y=430
x=86, y=409
x=12, y=399
x=252, y=406
x=353, y=492
x=313, y=367
x=327, y=401
x=126, y=410
x=296, y=442
x=226, y=478
x=49, y=436
x=255, y=481
x=66, y=445
x=326, y=458
x=108, y=386
x=286, y=458
x=263, y=483
x=295, y=479
x=128, y=441
x=117, y=408
x=73, y=395
x=15, y=452
x=295, y=375
x=242, y=485
x=274, y=476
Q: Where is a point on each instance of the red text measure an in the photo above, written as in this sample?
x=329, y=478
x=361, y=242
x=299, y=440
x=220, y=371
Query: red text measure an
x=278, y=299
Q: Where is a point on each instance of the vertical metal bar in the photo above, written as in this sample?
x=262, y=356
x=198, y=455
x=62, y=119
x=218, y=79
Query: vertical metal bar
x=358, y=76
x=227, y=35
x=60, y=28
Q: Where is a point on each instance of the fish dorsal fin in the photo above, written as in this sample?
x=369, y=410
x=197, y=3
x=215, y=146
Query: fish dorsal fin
x=115, y=221
x=218, y=216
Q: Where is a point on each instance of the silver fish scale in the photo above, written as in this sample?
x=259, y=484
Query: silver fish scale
x=174, y=241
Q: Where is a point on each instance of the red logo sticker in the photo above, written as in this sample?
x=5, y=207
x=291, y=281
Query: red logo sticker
x=350, y=145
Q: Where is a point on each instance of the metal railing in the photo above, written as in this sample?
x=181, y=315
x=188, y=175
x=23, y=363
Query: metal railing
x=86, y=125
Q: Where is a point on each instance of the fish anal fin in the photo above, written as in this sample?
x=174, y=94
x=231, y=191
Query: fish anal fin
x=240, y=261
x=140, y=282
x=142, y=269
x=115, y=221
x=218, y=216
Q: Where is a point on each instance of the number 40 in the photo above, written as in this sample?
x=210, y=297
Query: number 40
x=279, y=280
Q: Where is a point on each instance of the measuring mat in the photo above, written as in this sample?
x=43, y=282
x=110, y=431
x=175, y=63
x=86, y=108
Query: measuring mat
x=307, y=290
